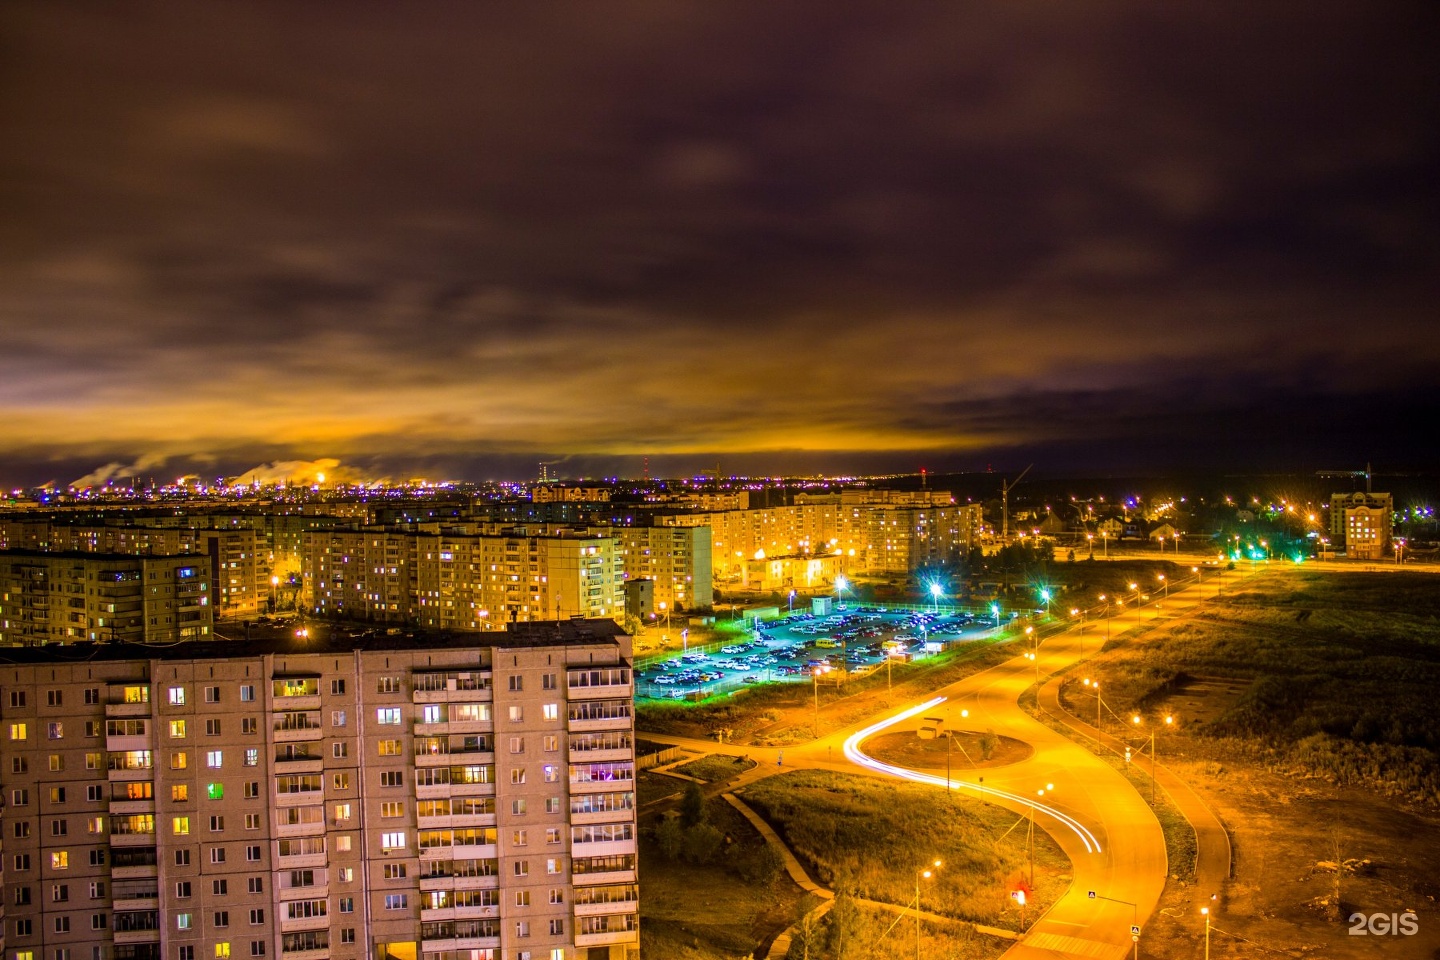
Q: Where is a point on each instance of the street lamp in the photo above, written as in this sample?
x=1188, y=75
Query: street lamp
x=816, y=674
x=1030, y=834
x=840, y=585
x=935, y=597
x=792, y=601
x=1034, y=655
x=1107, y=617
x=1045, y=595
x=1165, y=584
x=927, y=874
x=1091, y=537
x=1206, y=912
x=995, y=610
x=1095, y=685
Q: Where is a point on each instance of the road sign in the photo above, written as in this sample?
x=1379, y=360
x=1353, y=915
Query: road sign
x=1134, y=929
x=1092, y=894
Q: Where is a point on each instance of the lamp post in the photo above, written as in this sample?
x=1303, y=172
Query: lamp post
x=1136, y=587
x=840, y=585
x=1105, y=542
x=1164, y=584
x=1091, y=538
x=1030, y=834
x=792, y=602
x=995, y=611
x=1206, y=912
x=1045, y=595
x=1095, y=685
x=1107, y=617
x=816, y=676
x=927, y=874
x=1034, y=655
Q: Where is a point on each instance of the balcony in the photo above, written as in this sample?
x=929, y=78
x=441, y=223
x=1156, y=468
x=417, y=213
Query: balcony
x=605, y=723
x=146, y=839
x=600, y=692
x=121, y=808
x=119, y=711
x=613, y=876
x=601, y=909
x=322, y=953
x=606, y=849
x=143, y=900
x=127, y=743
x=299, y=765
x=601, y=756
x=296, y=702
x=299, y=798
x=303, y=861
x=313, y=828
x=602, y=939
x=301, y=924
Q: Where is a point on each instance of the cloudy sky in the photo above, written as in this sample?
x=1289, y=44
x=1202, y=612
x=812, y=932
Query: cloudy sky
x=455, y=240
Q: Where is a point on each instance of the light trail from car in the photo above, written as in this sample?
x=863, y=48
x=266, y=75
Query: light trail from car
x=856, y=756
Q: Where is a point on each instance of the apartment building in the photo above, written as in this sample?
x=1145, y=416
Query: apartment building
x=48, y=597
x=874, y=532
x=1364, y=522
x=454, y=801
x=238, y=559
x=677, y=560
x=460, y=580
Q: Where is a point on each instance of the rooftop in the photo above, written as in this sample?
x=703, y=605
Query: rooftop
x=574, y=631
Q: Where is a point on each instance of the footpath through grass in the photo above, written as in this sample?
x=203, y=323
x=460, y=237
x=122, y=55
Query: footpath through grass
x=1337, y=676
x=868, y=837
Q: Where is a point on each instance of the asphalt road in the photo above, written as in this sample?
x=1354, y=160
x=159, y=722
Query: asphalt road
x=1096, y=816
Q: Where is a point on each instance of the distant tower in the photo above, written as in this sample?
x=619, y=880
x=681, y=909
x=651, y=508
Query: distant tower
x=645, y=473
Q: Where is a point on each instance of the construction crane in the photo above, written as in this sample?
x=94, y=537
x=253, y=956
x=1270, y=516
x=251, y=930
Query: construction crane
x=1005, y=489
x=1349, y=473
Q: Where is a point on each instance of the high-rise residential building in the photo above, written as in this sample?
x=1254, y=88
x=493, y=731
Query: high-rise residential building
x=677, y=560
x=461, y=580
x=1364, y=522
x=48, y=597
x=450, y=801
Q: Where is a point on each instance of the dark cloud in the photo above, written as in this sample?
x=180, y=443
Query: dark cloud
x=283, y=233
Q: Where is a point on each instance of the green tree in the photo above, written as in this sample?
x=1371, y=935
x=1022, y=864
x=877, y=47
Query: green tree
x=692, y=807
x=702, y=843
x=670, y=837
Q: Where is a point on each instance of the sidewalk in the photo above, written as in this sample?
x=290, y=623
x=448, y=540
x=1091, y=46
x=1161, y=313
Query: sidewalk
x=1212, y=842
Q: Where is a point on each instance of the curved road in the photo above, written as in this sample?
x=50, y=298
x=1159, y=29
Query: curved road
x=1096, y=816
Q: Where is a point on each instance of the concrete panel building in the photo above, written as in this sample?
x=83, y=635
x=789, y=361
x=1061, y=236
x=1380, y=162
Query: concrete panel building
x=48, y=597
x=455, y=801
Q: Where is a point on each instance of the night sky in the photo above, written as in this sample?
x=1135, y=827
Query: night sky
x=454, y=240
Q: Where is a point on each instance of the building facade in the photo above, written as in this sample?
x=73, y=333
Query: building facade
x=446, y=802
x=1364, y=522
x=50, y=597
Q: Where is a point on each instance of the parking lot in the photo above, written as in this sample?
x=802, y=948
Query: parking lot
x=794, y=648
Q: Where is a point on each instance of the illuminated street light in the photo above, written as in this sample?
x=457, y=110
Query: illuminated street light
x=1206, y=912
x=927, y=874
x=935, y=597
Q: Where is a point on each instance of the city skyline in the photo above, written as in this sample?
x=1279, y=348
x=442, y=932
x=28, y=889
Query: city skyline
x=793, y=240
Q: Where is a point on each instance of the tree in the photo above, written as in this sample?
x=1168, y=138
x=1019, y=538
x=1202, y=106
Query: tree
x=670, y=837
x=692, y=807
x=702, y=842
x=843, y=933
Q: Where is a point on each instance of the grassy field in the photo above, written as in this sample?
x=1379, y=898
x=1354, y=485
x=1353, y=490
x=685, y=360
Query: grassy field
x=869, y=837
x=717, y=910
x=715, y=769
x=1337, y=676
x=875, y=934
